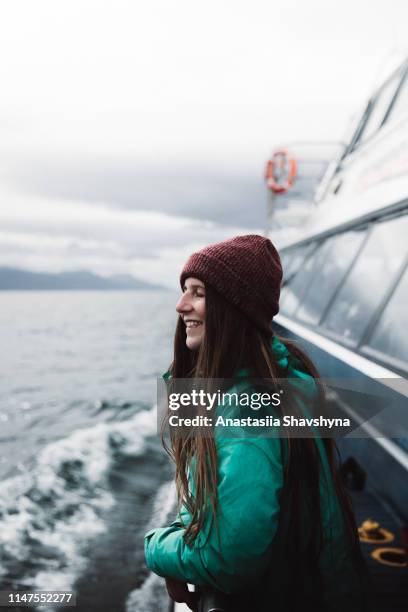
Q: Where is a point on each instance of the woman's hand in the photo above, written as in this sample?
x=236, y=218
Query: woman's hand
x=178, y=591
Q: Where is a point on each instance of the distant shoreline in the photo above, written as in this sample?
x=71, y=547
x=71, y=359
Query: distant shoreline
x=15, y=279
x=101, y=289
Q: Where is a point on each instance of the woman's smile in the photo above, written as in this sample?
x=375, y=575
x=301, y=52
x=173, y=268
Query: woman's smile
x=191, y=323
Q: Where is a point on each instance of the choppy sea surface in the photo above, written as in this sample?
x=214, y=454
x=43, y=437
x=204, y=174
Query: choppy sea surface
x=82, y=471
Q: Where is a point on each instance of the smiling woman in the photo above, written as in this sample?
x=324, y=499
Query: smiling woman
x=264, y=521
x=191, y=307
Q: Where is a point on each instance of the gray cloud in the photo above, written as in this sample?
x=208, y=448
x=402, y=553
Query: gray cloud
x=50, y=234
x=201, y=193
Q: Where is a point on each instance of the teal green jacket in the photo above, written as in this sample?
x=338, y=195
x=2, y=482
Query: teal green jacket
x=240, y=554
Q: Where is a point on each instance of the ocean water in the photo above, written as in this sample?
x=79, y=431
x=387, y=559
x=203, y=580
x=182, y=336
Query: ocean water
x=82, y=471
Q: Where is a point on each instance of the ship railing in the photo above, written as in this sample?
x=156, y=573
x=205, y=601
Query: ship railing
x=210, y=601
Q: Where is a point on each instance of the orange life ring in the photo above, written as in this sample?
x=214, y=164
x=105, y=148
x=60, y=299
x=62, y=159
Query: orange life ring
x=281, y=165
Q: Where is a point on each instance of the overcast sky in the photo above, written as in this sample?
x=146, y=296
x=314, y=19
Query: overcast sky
x=133, y=132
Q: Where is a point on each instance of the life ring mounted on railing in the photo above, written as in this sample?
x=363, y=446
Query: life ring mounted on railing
x=280, y=172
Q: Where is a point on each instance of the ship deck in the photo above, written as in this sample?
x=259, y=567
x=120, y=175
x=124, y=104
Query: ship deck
x=390, y=584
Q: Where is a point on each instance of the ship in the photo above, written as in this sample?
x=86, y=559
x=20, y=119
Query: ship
x=341, y=227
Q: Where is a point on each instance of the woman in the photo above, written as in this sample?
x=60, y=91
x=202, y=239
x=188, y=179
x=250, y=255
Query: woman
x=263, y=520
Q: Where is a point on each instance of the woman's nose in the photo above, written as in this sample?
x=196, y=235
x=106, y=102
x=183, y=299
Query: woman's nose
x=183, y=305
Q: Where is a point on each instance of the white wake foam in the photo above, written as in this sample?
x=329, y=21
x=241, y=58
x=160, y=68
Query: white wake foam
x=48, y=515
x=152, y=595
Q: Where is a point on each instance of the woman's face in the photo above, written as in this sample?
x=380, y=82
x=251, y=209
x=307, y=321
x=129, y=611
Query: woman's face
x=191, y=307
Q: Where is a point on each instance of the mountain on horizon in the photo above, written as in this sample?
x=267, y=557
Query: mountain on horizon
x=18, y=279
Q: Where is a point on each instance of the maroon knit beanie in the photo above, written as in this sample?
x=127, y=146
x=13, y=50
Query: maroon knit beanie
x=246, y=270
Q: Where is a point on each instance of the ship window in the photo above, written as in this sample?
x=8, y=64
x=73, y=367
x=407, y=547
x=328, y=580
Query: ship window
x=297, y=258
x=285, y=261
x=297, y=286
x=369, y=280
x=400, y=105
x=332, y=269
x=359, y=130
x=389, y=337
x=378, y=108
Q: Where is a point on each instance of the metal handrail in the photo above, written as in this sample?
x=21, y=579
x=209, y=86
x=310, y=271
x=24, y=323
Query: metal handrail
x=210, y=601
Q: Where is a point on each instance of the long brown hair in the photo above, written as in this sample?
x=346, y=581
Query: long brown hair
x=231, y=342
